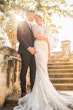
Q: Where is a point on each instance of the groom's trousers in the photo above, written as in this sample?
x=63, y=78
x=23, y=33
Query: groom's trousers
x=28, y=60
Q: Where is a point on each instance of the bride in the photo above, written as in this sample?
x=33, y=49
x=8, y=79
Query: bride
x=43, y=96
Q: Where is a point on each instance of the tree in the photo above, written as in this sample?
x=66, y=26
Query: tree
x=47, y=8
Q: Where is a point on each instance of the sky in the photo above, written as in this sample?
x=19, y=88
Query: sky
x=66, y=33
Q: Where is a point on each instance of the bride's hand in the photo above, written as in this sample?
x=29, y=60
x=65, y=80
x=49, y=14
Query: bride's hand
x=46, y=39
x=31, y=50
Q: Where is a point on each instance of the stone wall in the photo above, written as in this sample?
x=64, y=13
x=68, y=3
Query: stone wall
x=9, y=73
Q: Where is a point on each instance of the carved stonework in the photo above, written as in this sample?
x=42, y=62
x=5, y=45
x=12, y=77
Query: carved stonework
x=64, y=55
x=66, y=48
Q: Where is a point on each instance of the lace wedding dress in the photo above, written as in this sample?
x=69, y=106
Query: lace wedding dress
x=43, y=96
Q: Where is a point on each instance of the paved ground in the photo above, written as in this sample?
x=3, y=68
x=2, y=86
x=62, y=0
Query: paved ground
x=70, y=93
x=6, y=108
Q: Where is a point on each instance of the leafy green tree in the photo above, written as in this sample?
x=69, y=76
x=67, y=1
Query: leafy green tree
x=46, y=8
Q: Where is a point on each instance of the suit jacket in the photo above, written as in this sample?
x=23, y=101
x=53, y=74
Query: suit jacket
x=24, y=36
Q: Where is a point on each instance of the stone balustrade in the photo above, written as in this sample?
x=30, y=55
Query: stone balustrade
x=9, y=73
x=64, y=55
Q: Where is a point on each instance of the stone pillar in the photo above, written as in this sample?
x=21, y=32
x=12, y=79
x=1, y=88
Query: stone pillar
x=66, y=49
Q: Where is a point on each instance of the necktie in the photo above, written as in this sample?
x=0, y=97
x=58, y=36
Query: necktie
x=30, y=25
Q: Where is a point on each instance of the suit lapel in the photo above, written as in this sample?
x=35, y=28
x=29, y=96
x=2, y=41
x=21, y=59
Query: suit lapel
x=27, y=27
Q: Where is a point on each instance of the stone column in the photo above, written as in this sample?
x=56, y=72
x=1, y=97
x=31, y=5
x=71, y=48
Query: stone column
x=66, y=49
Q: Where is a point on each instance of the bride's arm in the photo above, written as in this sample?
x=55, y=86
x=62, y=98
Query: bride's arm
x=38, y=35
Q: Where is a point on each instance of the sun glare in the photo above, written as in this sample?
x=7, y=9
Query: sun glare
x=19, y=18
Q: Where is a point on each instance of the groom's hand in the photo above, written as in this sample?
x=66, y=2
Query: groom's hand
x=31, y=50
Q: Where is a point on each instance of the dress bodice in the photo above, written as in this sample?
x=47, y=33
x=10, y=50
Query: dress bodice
x=41, y=30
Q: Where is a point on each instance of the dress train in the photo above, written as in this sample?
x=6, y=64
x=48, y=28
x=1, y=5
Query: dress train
x=43, y=96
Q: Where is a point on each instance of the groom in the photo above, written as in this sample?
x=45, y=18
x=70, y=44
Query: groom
x=26, y=50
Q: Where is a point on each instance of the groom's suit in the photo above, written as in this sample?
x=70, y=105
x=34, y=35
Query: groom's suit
x=26, y=40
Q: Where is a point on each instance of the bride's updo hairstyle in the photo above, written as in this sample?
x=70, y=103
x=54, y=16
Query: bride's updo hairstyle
x=38, y=19
x=38, y=16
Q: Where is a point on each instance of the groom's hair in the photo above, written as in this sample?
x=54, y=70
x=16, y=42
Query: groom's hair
x=29, y=12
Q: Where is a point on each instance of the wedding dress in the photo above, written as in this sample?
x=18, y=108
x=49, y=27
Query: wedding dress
x=43, y=96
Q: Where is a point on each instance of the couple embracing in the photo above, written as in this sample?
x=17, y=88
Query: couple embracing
x=34, y=49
